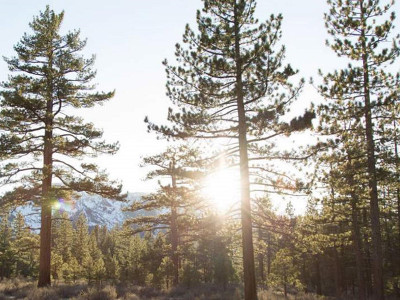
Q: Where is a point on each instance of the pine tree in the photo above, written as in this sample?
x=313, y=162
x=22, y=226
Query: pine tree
x=130, y=250
x=166, y=271
x=284, y=270
x=172, y=203
x=112, y=268
x=80, y=244
x=56, y=266
x=7, y=251
x=88, y=268
x=212, y=255
x=62, y=236
x=364, y=89
x=25, y=244
x=266, y=224
x=71, y=270
x=154, y=253
x=231, y=84
x=345, y=183
x=97, y=258
x=40, y=134
x=223, y=268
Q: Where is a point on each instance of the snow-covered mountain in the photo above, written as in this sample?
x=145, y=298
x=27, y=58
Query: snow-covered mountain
x=98, y=210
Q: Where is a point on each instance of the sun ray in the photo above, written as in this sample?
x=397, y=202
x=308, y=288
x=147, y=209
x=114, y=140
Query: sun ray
x=222, y=189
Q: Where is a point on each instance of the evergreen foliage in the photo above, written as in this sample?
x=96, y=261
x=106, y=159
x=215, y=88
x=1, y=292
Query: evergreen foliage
x=173, y=207
x=49, y=78
x=230, y=83
x=361, y=102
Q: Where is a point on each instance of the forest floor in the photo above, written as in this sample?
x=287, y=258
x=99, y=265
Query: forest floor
x=22, y=289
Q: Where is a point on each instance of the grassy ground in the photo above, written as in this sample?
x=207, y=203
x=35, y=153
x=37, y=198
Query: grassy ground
x=22, y=289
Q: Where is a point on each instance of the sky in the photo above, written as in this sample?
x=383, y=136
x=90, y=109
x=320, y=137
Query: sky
x=131, y=38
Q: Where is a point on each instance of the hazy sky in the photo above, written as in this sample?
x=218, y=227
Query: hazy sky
x=131, y=38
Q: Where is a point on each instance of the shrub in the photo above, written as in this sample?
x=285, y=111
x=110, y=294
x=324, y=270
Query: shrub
x=19, y=288
x=130, y=296
x=107, y=293
x=69, y=291
x=274, y=295
x=43, y=294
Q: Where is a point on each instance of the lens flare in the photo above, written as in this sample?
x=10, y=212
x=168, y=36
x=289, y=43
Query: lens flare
x=64, y=205
x=57, y=205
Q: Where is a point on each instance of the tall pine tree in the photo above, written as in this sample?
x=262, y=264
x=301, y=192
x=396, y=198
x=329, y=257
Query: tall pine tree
x=231, y=84
x=49, y=79
x=363, y=90
x=169, y=208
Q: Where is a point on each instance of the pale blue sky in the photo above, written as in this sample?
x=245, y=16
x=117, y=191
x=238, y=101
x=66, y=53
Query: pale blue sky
x=131, y=38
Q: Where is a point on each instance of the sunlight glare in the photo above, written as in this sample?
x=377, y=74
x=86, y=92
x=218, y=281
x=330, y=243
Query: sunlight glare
x=222, y=189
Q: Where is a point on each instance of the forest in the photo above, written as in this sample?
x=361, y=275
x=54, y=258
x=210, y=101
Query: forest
x=204, y=233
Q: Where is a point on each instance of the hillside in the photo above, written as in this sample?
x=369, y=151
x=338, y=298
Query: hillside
x=98, y=210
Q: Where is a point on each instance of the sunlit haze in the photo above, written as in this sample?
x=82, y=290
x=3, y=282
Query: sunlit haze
x=222, y=188
x=131, y=39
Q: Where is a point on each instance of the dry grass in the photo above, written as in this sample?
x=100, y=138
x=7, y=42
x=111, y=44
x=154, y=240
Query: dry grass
x=18, y=288
x=95, y=293
x=205, y=292
x=22, y=289
x=274, y=295
x=130, y=296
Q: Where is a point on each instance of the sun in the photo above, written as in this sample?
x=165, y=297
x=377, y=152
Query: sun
x=222, y=189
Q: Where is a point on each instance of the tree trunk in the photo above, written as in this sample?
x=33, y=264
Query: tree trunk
x=174, y=232
x=356, y=235
x=357, y=249
x=398, y=217
x=250, y=289
x=269, y=254
x=45, y=229
x=318, y=271
x=367, y=263
x=396, y=153
x=285, y=289
x=338, y=274
x=261, y=258
x=304, y=273
x=372, y=178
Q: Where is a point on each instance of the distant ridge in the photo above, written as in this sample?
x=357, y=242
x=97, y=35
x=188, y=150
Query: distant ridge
x=98, y=210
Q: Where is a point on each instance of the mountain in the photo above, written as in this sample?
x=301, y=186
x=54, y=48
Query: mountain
x=98, y=210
